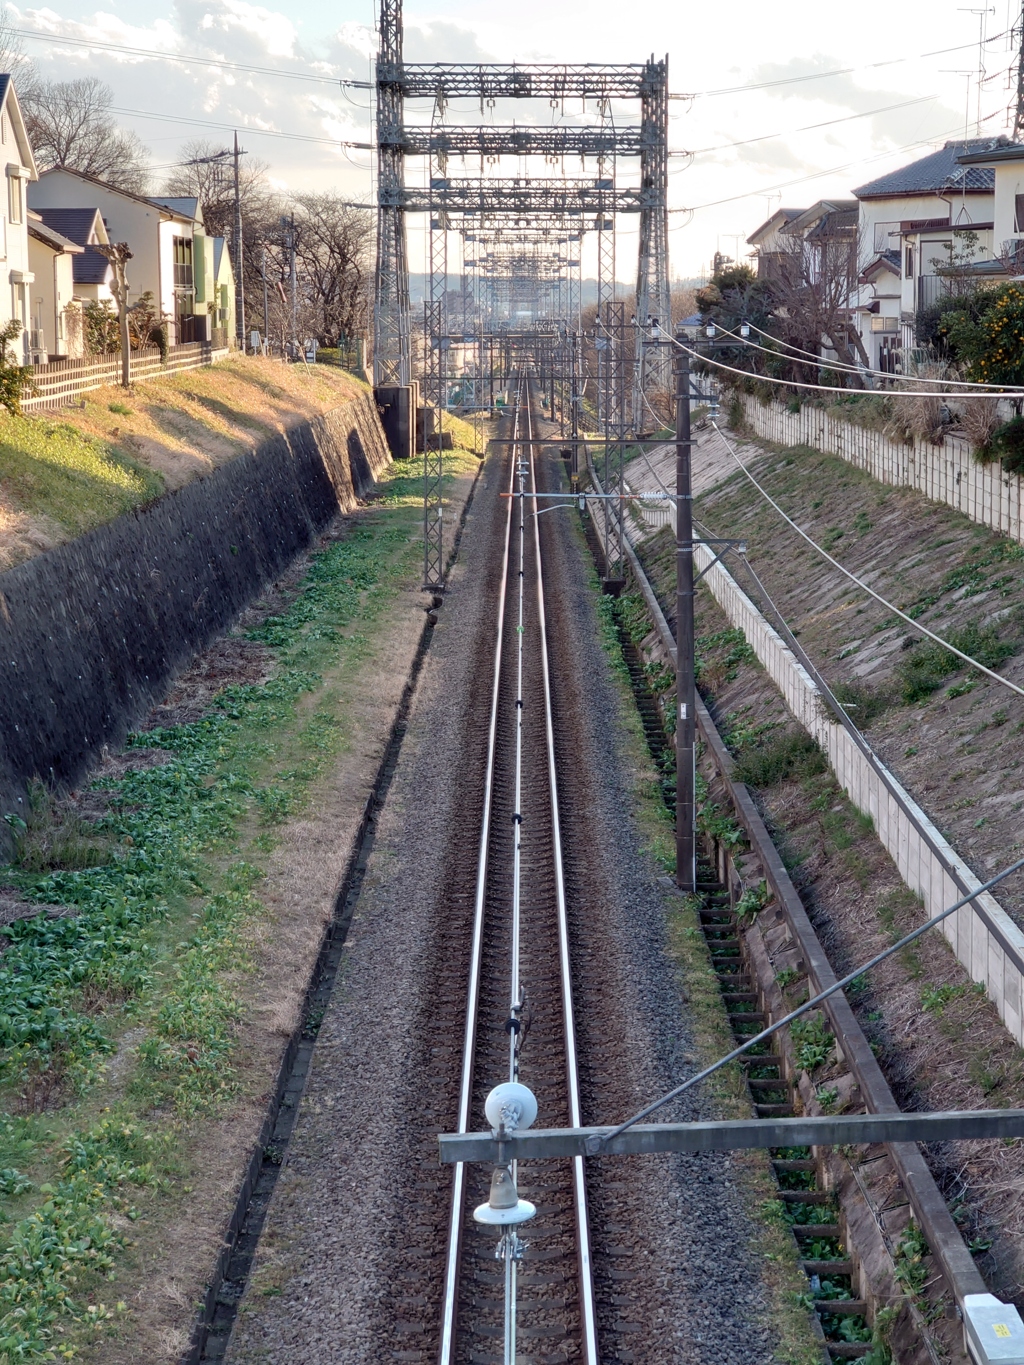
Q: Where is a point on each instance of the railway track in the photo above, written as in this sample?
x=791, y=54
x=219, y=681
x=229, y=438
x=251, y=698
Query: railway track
x=519, y=1011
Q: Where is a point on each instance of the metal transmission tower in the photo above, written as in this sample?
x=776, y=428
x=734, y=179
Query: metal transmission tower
x=391, y=358
x=533, y=275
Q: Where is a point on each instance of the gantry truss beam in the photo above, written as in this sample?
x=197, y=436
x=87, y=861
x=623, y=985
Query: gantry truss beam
x=566, y=140
x=451, y=80
x=522, y=198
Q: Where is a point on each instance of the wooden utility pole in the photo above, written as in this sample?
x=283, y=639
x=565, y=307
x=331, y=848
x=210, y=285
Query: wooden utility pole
x=119, y=254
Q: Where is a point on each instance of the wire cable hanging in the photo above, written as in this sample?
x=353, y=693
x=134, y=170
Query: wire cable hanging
x=937, y=639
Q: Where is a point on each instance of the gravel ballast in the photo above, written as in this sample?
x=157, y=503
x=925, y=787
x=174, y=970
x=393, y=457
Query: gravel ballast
x=349, y=1267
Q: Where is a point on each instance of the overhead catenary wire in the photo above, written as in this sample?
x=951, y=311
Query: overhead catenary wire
x=810, y=1004
x=865, y=587
x=1006, y=392
x=842, y=365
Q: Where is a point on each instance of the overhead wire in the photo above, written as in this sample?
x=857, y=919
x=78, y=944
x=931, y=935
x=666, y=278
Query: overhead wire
x=841, y=365
x=831, y=170
x=815, y=1000
x=838, y=71
x=1007, y=392
x=859, y=582
x=155, y=53
x=248, y=129
x=808, y=127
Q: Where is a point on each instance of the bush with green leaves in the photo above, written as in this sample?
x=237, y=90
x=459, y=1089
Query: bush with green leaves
x=15, y=378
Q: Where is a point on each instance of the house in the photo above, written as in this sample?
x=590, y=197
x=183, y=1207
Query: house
x=773, y=249
x=92, y=272
x=165, y=236
x=224, y=287
x=1004, y=161
x=56, y=318
x=913, y=223
x=14, y=250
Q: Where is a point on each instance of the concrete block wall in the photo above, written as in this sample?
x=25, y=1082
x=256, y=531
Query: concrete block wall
x=948, y=473
x=982, y=935
x=92, y=632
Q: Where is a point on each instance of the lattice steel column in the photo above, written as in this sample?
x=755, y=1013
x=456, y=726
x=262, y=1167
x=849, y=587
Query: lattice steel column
x=652, y=367
x=391, y=356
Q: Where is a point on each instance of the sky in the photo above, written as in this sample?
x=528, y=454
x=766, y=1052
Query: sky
x=776, y=104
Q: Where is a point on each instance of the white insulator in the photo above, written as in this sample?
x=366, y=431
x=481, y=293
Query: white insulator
x=510, y=1105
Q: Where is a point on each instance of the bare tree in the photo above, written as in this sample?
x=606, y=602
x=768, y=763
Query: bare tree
x=206, y=172
x=334, y=249
x=13, y=61
x=815, y=294
x=70, y=125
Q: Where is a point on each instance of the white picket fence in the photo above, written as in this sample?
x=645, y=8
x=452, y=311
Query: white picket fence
x=946, y=473
x=60, y=382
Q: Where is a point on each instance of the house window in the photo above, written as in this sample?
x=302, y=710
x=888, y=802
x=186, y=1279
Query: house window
x=184, y=276
x=908, y=265
x=14, y=198
x=884, y=232
x=1018, y=213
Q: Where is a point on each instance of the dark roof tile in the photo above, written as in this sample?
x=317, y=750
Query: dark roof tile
x=937, y=172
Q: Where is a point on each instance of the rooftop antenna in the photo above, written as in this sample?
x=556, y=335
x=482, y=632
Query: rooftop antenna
x=982, y=23
x=1018, y=112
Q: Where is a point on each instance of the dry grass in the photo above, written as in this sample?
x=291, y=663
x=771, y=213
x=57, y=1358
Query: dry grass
x=921, y=414
x=978, y=420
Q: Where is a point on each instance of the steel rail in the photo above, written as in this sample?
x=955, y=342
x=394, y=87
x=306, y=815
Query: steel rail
x=588, y=1316
x=451, y=1279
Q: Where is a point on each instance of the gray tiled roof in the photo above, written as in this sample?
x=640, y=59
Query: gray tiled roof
x=75, y=224
x=938, y=171
x=90, y=267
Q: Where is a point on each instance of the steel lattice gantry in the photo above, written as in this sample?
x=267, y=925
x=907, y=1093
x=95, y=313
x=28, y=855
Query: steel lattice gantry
x=485, y=207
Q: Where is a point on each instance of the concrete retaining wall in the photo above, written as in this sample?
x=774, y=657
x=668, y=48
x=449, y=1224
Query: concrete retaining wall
x=982, y=935
x=92, y=632
x=948, y=473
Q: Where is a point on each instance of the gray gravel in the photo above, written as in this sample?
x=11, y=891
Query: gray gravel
x=350, y=1251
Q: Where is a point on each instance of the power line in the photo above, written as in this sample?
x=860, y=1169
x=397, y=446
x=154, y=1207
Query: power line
x=249, y=130
x=809, y=127
x=937, y=639
x=839, y=71
x=1006, y=392
x=814, y=1001
x=832, y=170
x=182, y=57
x=841, y=365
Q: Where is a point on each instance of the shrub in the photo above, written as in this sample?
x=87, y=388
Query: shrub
x=928, y=665
x=102, y=332
x=1007, y=442
x=780, y=757
x=14, y=378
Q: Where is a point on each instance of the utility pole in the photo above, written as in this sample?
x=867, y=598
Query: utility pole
x=239, y=253
x=266, y=303
x=1018, y=110
x=294, y=282
x=686, y=710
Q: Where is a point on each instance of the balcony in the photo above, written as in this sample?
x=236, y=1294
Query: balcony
x=930, y=289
